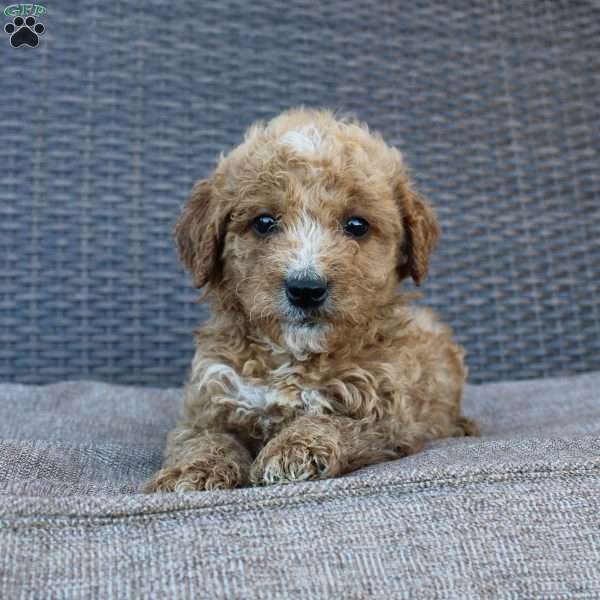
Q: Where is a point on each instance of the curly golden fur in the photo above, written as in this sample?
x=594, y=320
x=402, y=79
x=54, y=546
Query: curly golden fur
x=281, y=393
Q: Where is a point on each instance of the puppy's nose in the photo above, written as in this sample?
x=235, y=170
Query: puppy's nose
x=306, y=292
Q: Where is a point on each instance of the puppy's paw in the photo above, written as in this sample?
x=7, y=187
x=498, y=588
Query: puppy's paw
x=210, y=473
x=466, y=427
x=286, y=461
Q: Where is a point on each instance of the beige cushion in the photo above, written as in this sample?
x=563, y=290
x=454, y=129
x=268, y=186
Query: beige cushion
x=514, y=514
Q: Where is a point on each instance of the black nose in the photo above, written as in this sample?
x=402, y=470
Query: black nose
x=306, y=292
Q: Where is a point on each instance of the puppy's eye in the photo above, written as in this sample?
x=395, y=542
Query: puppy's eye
x=356, y=227
x=265, y=225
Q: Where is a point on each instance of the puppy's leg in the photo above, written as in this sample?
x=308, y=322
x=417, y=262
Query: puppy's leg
x=465, y=426
x=201, y=461
x=318, y=447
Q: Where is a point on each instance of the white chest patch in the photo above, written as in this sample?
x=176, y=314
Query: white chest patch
x=314, y=403
x=223, y=384
x=221, y=380
x=305, y=141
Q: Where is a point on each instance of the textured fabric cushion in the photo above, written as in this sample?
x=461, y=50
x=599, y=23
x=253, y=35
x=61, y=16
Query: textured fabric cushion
x=512, y=514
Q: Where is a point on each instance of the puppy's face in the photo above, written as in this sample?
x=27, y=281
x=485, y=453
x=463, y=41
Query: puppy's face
x=312, y=249
x=309, y=225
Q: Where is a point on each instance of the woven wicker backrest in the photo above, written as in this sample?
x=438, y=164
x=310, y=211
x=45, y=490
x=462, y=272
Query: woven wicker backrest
x=108, y=122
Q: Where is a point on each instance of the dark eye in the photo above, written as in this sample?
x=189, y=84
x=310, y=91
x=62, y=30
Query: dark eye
x=265, y=225
x=356, y=227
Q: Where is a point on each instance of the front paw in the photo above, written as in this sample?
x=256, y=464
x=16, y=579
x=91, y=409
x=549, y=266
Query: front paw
x=210, y=473
x=295, y=459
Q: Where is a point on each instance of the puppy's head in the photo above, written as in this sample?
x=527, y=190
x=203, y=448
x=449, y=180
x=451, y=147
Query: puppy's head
x=307, y=226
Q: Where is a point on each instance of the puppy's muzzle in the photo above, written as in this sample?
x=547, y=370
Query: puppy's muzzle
x=306, y=292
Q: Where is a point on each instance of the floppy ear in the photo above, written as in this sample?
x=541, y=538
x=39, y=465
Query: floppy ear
x=197, y=234
x=421, y=230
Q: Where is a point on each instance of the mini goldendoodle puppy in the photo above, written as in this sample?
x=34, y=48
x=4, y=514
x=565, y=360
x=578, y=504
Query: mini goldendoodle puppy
x=313, y=364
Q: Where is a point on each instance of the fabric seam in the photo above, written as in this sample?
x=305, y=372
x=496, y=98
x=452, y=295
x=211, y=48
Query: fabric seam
x=54, y=520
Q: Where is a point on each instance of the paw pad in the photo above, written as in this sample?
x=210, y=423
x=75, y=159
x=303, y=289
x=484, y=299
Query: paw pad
x=24, y=32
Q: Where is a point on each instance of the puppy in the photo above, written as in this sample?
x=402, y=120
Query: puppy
x=313, y=364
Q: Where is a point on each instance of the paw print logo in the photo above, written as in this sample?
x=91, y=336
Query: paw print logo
x=24, y=32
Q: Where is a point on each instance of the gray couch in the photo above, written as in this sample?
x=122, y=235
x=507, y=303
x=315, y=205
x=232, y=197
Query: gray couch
x=105, y=126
